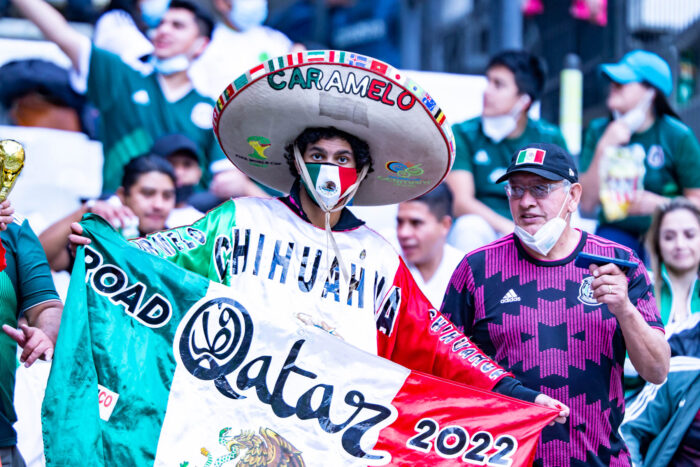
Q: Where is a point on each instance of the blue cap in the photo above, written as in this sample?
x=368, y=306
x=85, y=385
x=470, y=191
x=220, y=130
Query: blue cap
x=641, y=66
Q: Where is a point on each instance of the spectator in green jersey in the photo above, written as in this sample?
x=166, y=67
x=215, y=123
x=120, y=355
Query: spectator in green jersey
x=137, y=107
x=642, y=122
x=485, y=144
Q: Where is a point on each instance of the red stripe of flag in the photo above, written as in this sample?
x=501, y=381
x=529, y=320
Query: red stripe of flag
x=347, y=178
x=539, y=156
x=379, y=67
x=256, y=69
x=3, y=263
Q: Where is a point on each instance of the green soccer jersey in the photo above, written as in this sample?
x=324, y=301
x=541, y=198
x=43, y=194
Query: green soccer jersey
x=672, y=162
x=24, y=283
x=488, y=160
x=135, y=112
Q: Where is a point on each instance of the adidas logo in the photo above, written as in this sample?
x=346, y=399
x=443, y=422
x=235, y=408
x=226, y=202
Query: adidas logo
x=510, y=297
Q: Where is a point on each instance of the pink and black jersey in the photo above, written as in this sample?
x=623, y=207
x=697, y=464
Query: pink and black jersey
x=539, y=320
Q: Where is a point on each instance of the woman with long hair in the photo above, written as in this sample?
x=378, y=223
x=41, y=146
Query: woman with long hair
x=673, y=242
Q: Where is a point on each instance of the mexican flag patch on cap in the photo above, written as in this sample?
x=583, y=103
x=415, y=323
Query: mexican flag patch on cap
x=531, y=156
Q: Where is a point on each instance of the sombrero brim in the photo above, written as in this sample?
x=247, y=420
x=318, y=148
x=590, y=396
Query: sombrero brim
x=265, y=109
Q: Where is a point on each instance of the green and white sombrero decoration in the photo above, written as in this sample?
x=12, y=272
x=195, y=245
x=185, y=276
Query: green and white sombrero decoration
x=265, y=109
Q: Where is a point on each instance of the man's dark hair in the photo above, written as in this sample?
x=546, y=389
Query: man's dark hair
x=360, y=149
x=529, y=71
x=204, y=20
x=439, y=201
x=141, y=165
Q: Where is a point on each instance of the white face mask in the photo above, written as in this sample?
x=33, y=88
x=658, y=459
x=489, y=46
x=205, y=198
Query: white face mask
x=634, y=118
x=499, y=127
x=152, y=11
x=547, y=236
x=168, y=66
x=247, y=14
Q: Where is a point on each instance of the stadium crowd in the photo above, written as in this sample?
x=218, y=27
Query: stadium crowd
x=489, y=247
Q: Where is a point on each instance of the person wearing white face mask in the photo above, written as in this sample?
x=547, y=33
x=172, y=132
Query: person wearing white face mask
x=239, y=42
x=642, y=121
x=485, y=144
x=138, y=107
x=559, y=328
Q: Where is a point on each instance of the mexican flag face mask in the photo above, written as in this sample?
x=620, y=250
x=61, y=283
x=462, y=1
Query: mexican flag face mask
x=331, y=182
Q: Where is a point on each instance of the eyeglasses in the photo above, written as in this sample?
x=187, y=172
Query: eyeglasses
x=540, y=191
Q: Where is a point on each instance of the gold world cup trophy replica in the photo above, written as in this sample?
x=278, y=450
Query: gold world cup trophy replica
x=11, y=162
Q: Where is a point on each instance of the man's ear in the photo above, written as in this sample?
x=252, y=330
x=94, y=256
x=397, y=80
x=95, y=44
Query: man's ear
x=296, y=164
x=446, y=223
x=199, y=46
x=525, y=102
x=575, y=190
x=121, y=194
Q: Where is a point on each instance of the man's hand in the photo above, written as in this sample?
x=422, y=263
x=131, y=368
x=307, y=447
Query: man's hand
x=233, y=183
x=113, y=212
x=34, y=342
x=6, y=211
x=610, y=287
x=76, y=239
x=615, y=134
x=644, y=203
x=546, y=401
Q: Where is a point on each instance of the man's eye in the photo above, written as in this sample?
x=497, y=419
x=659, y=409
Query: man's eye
x=343, y=159
x=539, y=190
x=517, y=190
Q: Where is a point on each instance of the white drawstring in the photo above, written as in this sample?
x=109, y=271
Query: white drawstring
x=329, y=209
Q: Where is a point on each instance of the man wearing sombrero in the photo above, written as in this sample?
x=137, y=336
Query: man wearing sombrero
x=330, y=127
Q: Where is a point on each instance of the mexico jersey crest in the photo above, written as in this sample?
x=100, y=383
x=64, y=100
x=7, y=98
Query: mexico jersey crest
x=585, y=292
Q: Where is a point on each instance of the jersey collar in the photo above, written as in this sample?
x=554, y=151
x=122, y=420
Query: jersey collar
x=522, y=252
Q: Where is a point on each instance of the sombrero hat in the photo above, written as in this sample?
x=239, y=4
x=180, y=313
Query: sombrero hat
x=265, y=109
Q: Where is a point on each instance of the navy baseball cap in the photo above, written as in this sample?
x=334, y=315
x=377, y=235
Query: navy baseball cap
x=170, y=144
x=640, y=66
x=544, y=159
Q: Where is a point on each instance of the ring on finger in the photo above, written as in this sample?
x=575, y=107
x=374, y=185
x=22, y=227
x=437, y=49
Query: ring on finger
x=610, y=289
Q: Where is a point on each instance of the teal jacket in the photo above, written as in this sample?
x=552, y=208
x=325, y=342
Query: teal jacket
x=658, y=417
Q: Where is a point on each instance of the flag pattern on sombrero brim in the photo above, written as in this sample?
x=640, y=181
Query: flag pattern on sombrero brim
x=392, y=91
x=340, y=57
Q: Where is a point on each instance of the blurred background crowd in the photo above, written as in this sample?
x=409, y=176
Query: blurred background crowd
x=113, y=102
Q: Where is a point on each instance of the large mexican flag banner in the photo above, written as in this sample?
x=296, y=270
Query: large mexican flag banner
x=155, y=365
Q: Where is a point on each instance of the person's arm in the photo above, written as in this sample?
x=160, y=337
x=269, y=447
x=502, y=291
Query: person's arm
x=687, y=167
x=54, y=239
x=38, y=335
x=647, y=348
x=54, y=27
x=37, y=300
x=191, y=247
x=616, y=134
x=461, y=182
x=232, y=183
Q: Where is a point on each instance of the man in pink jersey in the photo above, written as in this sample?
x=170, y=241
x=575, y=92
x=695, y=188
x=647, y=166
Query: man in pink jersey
x=559, y=328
